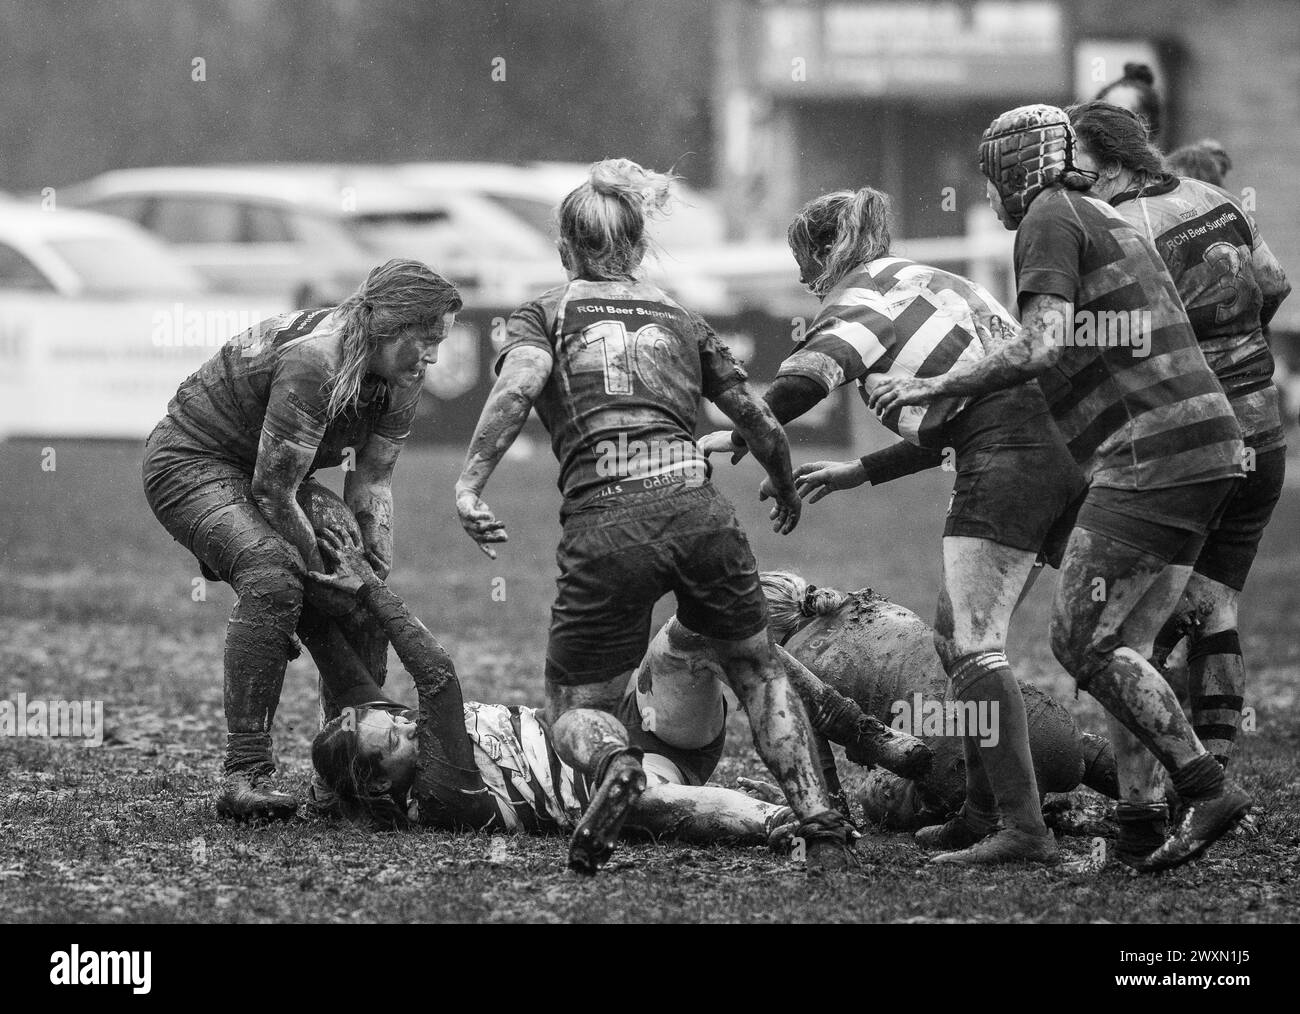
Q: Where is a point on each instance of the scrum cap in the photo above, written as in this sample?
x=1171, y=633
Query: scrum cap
x=1024, y=151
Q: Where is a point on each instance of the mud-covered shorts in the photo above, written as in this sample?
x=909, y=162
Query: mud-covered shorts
x=617, y=561
x=1230, y=548
x=1170, y=524
x=1016, y=478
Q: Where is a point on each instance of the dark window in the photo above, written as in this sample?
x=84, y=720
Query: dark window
x=17, y=272
x=196, y=220
x=266, y=225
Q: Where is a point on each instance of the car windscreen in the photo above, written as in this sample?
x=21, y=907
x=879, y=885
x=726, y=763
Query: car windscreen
x=119, y=265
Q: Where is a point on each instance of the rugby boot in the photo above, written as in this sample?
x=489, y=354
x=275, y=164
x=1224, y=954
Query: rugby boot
x=594, y=838
x=247, y=794
x=959, y=832
x=875, y=744
x=1204, y=821
x=1003, y=846
x=828, y=843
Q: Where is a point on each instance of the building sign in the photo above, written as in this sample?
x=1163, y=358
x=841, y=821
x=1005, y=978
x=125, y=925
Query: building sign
x=985, y=49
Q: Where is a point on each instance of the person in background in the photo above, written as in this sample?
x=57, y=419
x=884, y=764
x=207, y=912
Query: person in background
x=1136, y=92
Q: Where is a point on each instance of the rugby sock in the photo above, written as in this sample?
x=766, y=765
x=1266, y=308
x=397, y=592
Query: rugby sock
x=1143, y=828
x=1218, y=678
x=986, y=679
x=1200, y=779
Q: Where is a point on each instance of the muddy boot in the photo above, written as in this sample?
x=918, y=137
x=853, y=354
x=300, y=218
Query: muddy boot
x=969, y=826
x=875, y=744
x=249, y=795
x=246, y=789
x=621, y=784
x=1204, y=821
x=828, y=844
x=1006, y=845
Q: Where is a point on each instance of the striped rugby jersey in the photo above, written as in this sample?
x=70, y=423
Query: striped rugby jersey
x=1207, y=242
x=1132, y=420
x=629, y=368
x=532, y=788
x=895, y=317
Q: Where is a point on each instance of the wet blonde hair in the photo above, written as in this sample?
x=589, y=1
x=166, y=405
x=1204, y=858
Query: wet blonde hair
x=792, y=601
x=854, y=224
x=602, y=221
x=395, y=297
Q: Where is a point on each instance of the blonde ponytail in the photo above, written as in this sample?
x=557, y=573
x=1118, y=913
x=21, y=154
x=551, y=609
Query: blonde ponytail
x=792, y=601
x=602, y=221
x=841, y=230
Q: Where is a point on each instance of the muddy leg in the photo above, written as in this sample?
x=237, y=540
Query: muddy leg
x=776, y=719
x=1216, y=672
x=588, y=738
x=707, y=814
x=982, y=583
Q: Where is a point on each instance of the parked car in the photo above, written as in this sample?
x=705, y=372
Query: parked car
x=246, y=230
x=532, y=192
x=99, y=324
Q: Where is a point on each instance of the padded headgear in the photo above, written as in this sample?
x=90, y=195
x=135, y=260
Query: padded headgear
x=1024, y=151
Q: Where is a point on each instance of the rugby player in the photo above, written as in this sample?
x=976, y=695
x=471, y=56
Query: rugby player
x=616, y=369
x=1107, y=338
x=227, y=473
x=1231, y=285
x=460, y=765
x=883, y=658
x=884, y=316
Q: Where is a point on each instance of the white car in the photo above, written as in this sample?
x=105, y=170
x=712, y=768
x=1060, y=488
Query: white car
x=99, y=324
x=532, y=193
x=247, y=230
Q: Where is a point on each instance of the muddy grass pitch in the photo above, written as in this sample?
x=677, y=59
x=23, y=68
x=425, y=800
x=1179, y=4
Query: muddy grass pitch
x=98, y=604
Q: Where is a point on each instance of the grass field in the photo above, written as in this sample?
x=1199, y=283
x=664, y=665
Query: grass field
x=96, y=602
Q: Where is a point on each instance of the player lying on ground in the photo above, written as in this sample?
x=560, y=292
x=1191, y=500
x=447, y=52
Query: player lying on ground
x=1231, y=285
x=884, y=316
x=463, y=766
x=616, y=369
x=227, y=472
x=1107, y=338
x=883, y=658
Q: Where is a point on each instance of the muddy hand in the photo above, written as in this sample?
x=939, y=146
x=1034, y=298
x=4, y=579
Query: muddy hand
x=479, y=522
x=341, y=549
x=765, y=791
x=895, y=392
x=719, y=442
x=816, y=479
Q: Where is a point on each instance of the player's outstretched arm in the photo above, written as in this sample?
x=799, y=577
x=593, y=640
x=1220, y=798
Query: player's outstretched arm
x=1036, y=349
x=766, y=439
x=447, y=783
x=523, y=376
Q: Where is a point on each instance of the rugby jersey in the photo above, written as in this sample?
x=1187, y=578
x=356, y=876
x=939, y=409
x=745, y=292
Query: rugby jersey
x=1208, y=242
x=275, y=377
x=1132, y=420
x=620, y=404
x=895, y=317
x=532, y=788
